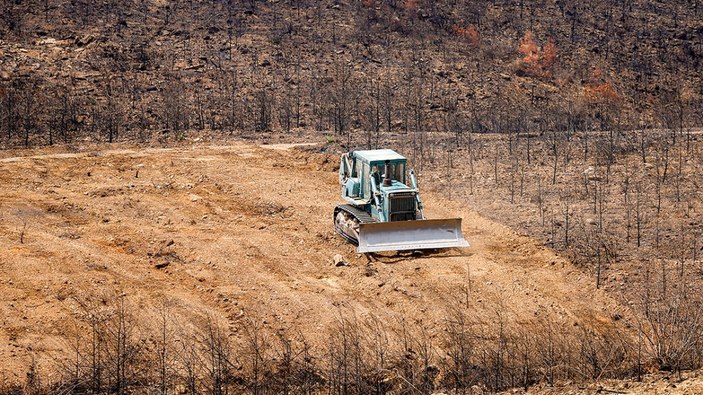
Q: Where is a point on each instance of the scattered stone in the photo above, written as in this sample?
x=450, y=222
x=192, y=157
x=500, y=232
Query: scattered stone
x=194, y=67
x=338, y=260
x=85, y=40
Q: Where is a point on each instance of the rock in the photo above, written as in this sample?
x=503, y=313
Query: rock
x=195, y=67
x=85, y=40
x=441, y=73
x=338, y=260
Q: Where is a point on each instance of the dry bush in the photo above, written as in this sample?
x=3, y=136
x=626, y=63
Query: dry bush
x=671, y=321
x=349, y=369
x=114, y=351
x=107, y=349
x=501, y=354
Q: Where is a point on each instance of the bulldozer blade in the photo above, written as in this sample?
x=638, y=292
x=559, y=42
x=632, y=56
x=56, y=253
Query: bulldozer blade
x=411, y=235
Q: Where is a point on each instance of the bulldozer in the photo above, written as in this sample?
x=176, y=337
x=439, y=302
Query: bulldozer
x=384, y=212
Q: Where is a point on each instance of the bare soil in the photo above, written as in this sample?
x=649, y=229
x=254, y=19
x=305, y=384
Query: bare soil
x=689, y=383
x=240, y=231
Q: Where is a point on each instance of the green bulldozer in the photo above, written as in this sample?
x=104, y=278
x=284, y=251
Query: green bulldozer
x=384, y=212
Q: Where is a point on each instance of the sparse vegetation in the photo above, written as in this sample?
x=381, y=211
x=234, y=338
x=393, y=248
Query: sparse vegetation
x=577, y=125
x=123, y=353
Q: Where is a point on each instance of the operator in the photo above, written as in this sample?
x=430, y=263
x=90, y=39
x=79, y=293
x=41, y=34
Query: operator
x=376, y=176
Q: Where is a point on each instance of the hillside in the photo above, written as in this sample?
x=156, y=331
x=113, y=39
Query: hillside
x=360, y=71
x=160, y=229
x=242, y=236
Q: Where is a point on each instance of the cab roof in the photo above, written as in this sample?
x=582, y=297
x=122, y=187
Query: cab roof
x=378, y=155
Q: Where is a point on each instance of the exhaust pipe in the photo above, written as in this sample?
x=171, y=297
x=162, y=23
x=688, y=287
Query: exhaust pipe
x=387, y=179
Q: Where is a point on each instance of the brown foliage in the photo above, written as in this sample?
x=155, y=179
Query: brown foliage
x=469, y=33
x=549, y=54
x=411, y=5
x=537, y=61
x=601, y=93
x=530, y=51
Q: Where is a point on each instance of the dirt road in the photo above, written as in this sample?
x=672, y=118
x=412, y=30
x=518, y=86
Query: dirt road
x=241, y=231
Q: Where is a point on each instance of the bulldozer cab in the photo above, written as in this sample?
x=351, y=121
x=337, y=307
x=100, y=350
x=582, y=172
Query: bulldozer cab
x=397, y=169
x=373, y=165
x=357, y=169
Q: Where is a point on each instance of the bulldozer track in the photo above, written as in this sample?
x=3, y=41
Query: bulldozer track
x=359, y=215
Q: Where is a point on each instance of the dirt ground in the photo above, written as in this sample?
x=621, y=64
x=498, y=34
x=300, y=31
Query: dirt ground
x=690, y=383
x=240, y=231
